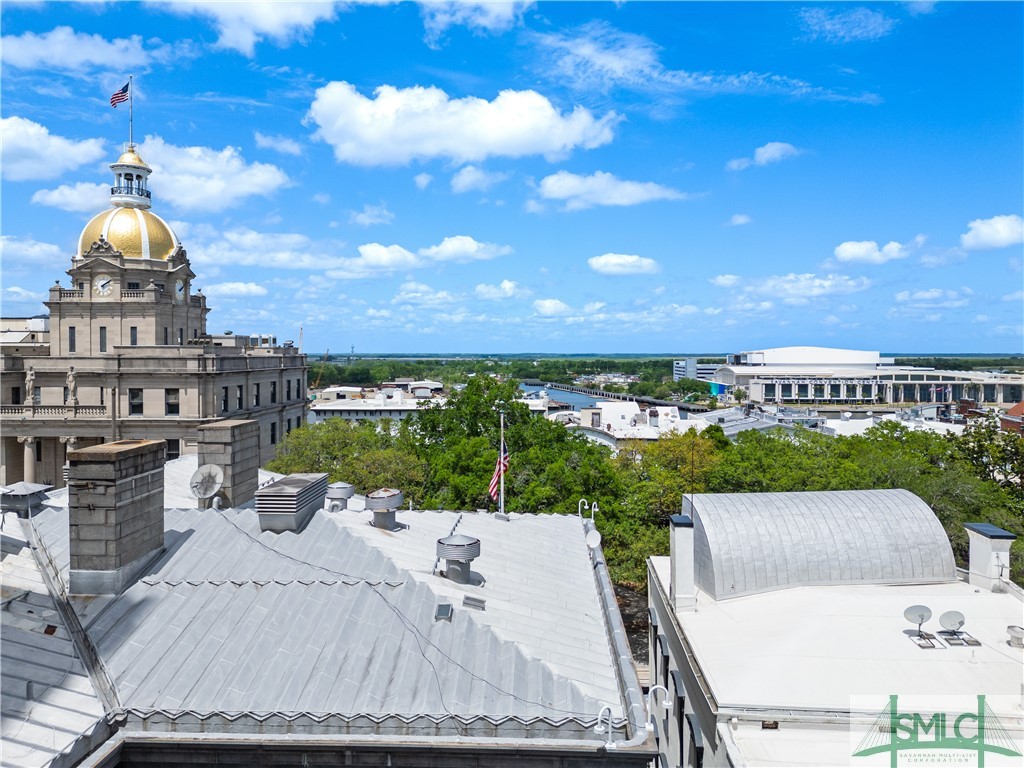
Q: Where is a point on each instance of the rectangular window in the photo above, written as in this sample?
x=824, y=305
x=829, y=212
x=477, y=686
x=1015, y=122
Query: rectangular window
x=103, y=338
x=103, y=394
x=133, y=336
x=134, y=402
x=181, y=337
x=71, y=338
x=172, y=405
x=173, y=448
x=66, y=393
x=273, y=433
x=37, y=395
x=166, y=337
x=273, y=392
x=39, y=449
x=195, y=333
x=223, y=399
x=298, y=389
x=289, y=427
x=256, y=395
x=134, y=286
x=16, y=395
x=288, y=390
x=239, y=397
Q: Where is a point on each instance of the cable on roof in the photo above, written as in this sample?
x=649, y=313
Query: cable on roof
x=408, y=624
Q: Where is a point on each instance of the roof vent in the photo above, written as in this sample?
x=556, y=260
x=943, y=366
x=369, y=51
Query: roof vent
x=288, y=503
x=1016, y=636
x=383, y=503
x=458, y=551
x=338, y=495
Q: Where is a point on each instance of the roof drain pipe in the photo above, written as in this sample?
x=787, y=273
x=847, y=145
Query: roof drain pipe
x=636, y=714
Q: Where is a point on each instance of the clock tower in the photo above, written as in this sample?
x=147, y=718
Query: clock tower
x=131, y=282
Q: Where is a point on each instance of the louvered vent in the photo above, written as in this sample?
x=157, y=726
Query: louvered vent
x=288, y=503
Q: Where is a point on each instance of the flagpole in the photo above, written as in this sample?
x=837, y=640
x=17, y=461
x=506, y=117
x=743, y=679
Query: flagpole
x=131, y=113
x=501, y=456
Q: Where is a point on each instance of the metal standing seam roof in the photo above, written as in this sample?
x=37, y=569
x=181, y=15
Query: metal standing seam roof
x=329, y=628
x=51, y=713
x=745, y=543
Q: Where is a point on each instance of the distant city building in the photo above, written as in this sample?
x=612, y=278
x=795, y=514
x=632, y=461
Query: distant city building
x=392, y=403
x=691, y=369
x=1013, y=420
x=608, y=422
x=809, y=375
x=125, y=353
x=782, y=623
x=362, y=634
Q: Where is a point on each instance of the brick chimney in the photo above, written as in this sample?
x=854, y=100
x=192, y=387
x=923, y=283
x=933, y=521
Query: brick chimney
x=234, y=446
x=116, y=513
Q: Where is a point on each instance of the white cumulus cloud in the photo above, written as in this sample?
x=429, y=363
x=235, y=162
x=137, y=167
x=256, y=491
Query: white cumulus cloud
x=725, y=281
x=421, y=294
x=600, y=188
x=463, y=248
x=997, y=232
x=422, y=180
x=551, y=307
x=799, y=287
x=241, y=26
x=506, y=289
x=223, y=176
x=623, y=264
x=470, y=178
x=62, y=49
x=491, y=16
x=772, y=152
x=372, y=214
x=868, y=251
x=30, y=151
x=278, y=143
x=30, y=253
x=739, y=219
x=399, y=125
x=235, y=290
x=83, y=197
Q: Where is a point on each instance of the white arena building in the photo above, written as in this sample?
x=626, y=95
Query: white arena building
x=808, y=375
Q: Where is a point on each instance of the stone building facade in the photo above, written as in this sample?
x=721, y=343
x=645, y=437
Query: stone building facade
x=126, y=354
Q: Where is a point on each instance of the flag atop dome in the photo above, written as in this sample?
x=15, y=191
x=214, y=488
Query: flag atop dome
x=121, y=95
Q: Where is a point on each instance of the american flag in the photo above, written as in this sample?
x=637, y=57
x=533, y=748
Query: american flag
x=120, y=96
x=500, y=467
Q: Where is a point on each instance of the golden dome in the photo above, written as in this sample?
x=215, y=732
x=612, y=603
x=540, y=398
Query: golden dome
x=131, y=157
x=137, y=233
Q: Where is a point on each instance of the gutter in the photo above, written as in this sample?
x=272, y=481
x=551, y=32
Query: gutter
x=636, y=713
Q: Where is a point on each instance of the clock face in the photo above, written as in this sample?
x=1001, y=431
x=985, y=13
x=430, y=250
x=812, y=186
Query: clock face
x=102, y=285
x=179, y=290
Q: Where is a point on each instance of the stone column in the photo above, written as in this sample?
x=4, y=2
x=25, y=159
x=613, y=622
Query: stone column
x=29, y=454
x=69, y=445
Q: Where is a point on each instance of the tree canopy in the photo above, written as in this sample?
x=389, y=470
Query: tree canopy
x=444, y=457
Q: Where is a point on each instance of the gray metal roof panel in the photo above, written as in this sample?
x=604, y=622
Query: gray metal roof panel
x=754, y=542
x=64, y=716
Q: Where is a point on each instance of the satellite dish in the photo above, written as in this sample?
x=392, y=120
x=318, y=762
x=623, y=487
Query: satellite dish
x=206, y=481
x=918, y=614
x=593, y=539
x=952, y=620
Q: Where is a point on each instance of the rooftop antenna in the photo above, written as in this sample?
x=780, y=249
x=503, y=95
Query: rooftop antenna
x=918, y=614
x=951, y=621
x=206, y=481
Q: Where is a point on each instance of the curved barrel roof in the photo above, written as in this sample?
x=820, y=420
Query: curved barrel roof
x=745, y=543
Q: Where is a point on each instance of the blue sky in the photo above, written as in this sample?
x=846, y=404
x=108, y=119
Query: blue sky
x=545, y=177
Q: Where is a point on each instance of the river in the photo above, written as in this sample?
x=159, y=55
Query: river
x=574, y=399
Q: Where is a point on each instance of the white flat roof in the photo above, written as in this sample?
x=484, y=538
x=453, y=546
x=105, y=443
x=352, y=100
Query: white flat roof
x=813, y=648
